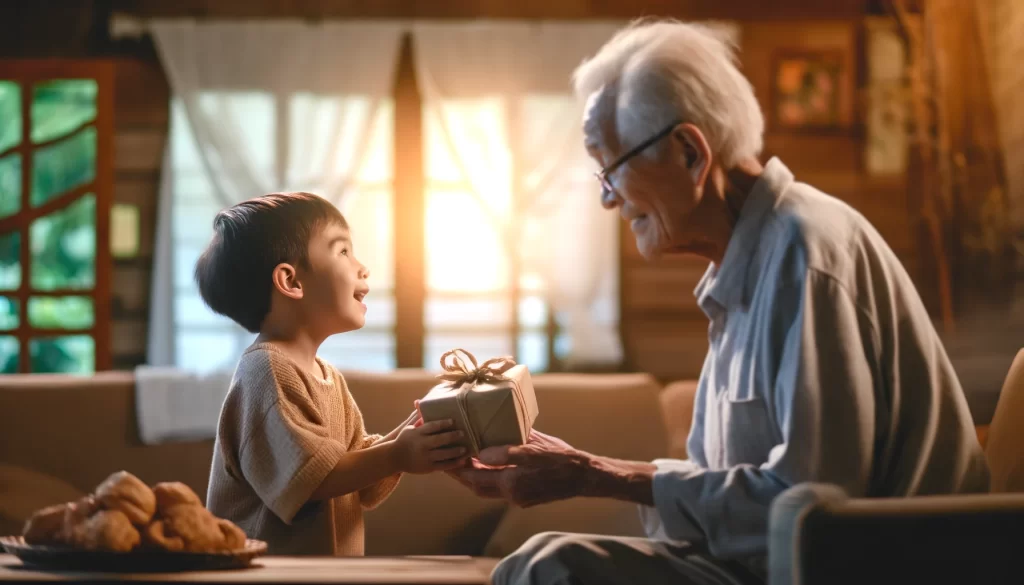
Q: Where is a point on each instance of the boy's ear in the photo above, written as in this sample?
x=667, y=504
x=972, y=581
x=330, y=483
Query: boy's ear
x=286, y=281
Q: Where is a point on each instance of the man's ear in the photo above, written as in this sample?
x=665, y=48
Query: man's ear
x=286, y=281
x=696, y=150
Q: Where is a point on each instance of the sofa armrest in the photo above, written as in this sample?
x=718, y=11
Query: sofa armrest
x=23, y=491
x=818, y=535
x=677, y=402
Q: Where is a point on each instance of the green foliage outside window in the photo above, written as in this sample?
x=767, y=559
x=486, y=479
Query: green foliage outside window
x=62, y=244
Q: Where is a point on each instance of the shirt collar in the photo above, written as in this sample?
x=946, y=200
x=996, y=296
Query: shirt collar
x=727, y=285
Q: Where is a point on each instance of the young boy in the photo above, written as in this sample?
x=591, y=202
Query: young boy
x=292, y=463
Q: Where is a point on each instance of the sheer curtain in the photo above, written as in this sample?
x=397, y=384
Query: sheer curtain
x=511, y=195
x=272, y=106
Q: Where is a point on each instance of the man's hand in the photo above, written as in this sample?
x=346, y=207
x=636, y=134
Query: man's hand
x=547, y=469
x=543, y=470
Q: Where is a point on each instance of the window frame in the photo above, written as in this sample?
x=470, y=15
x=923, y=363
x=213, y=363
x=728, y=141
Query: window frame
x=26, y=72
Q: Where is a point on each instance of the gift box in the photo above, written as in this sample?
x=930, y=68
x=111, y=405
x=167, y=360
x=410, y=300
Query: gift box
x=492, y=403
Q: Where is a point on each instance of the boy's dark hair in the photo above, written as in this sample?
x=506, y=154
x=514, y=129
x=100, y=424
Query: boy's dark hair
x=249, y=240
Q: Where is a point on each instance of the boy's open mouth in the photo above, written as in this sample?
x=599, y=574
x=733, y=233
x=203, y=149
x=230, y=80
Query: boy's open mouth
x=360, y=295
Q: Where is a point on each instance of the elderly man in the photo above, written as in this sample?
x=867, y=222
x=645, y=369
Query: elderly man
x=823, y=365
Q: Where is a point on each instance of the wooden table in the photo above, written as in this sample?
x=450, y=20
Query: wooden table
x=270, y=569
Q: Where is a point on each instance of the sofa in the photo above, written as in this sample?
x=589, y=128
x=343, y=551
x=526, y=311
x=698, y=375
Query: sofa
x=61, y=435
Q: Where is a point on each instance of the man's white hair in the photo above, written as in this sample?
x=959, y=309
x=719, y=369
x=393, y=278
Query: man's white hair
x=669, y=70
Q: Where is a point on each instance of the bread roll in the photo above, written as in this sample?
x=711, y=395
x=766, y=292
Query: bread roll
x=109, y=530
x=155, y=536
x=199, y=529
x=46, y=526
x=124, y=492
x=174, y=493
x=75, y=514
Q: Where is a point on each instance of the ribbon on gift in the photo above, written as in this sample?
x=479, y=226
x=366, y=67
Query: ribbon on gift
x=463, y=378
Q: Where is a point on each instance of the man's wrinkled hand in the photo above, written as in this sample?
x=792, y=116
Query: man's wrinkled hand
x=545, y=469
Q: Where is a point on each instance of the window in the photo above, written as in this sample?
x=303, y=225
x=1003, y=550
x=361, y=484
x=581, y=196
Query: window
x=520, y=256
x=479, y=294
x=290, y=141
x=55, y=192
x=505, y=249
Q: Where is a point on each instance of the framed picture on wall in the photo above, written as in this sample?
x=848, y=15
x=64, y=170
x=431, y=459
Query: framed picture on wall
x=807, y=90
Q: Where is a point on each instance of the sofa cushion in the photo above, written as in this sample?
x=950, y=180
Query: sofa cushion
x=82, y=428
x=23, y=491
x=426, y=514
x=580, y=515
x=677, y=409
x=617, y=415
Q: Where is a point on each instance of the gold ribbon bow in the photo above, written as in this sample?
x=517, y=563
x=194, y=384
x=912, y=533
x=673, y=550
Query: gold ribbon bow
x=457, y=373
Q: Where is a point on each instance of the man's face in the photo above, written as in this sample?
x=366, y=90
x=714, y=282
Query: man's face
x=334, y=284
x=655, y=195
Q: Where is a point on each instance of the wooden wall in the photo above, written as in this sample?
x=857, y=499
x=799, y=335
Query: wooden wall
x=759, y=10
x=141, y=128
x=1001, y=23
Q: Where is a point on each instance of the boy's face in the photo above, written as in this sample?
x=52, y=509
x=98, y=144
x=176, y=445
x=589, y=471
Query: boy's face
x=334, y=285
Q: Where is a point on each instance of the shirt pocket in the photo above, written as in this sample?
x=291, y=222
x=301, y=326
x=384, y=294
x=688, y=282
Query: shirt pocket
x=747, y=429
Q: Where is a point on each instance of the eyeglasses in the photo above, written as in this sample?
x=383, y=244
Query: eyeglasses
x=602, y=175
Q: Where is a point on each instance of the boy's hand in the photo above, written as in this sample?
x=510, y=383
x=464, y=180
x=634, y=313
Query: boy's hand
x=414, y=419
x=429, y=447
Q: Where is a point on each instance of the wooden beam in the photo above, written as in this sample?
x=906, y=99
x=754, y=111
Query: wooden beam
x=409, y=212
x=25, y=248
x=746, y=10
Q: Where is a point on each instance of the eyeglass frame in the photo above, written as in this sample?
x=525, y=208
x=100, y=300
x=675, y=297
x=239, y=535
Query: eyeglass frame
x=602, y=175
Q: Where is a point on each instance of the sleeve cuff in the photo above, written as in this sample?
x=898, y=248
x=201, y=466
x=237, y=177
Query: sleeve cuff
x=372, y=496
x=306, y=481
x=666, y=520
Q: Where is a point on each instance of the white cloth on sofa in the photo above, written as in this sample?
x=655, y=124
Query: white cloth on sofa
x=175, y=405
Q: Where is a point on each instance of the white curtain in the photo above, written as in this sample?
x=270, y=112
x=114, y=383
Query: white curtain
x=260, y=107
x=503, y=125
x=498, y=99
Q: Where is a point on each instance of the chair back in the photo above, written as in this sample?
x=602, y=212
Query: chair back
x=1004, y=445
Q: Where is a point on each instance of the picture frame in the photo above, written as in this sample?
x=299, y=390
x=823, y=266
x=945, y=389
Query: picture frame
x=808, y=90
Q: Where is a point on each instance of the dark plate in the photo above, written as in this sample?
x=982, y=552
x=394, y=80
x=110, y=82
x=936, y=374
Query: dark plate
x=141, y=561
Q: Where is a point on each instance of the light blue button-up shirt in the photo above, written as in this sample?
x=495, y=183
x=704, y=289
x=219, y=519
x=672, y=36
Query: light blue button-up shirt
x=823, y=366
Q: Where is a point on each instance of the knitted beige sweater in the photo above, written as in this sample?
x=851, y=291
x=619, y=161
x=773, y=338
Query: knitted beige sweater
x=281, y=432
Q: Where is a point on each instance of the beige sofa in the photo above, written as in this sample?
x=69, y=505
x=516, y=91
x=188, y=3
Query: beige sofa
x=61, y=435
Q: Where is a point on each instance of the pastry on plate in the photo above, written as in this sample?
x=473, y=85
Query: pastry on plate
x=124, y=514
x=174, y=493
x=198, y=529
x=124, y=492
x=46, y=526
x=109, y=530
x=75, y=514
x=155, y=536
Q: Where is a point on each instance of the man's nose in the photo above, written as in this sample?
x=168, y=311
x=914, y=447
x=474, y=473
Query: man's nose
x=610, y=199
